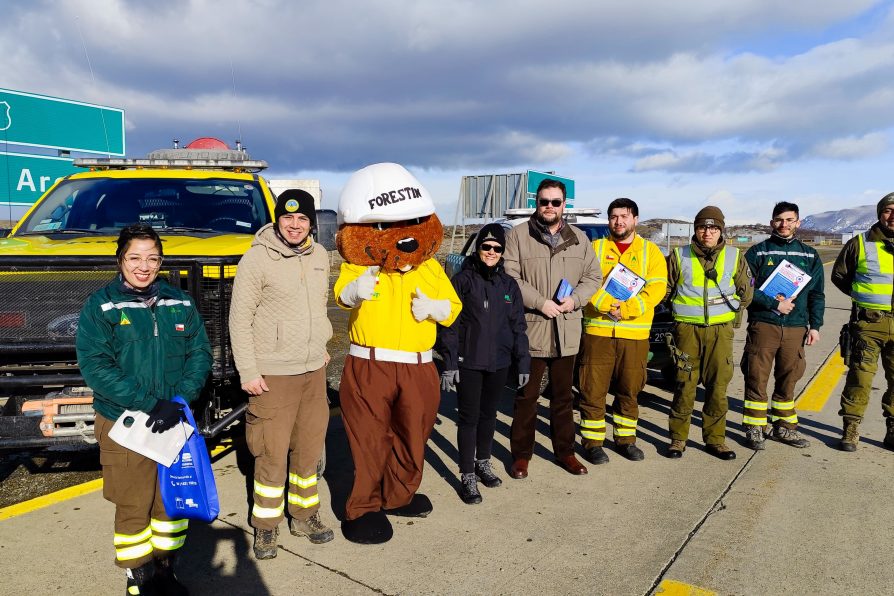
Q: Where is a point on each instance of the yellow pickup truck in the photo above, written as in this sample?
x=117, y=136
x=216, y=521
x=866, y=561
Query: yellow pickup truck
x=205, y=200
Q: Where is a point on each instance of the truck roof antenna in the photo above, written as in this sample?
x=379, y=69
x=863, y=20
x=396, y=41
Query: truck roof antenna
x=102, y=115
x=238, y=122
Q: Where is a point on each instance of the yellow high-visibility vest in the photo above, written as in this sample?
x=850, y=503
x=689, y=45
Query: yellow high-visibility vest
x=874, y=278
x=697, y=299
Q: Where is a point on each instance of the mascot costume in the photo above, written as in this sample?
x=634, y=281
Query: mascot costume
x=390, y=388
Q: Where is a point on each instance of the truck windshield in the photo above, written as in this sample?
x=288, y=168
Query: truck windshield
x=594, y=231
x=175, y=205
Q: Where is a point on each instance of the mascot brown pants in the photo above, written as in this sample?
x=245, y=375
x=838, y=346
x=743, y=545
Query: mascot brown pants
x=389, y=410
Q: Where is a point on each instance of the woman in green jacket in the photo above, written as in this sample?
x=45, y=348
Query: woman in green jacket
x=140, y=342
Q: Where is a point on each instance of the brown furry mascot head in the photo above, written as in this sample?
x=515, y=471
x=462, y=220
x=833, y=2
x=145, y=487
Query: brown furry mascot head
x=387, y=218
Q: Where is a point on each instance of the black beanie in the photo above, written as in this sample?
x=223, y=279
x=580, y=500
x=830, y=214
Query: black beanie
x=295, y=200
x=493, y=232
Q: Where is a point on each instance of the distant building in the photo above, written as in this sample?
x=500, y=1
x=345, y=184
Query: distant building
x=311, y=186
x=847, y=236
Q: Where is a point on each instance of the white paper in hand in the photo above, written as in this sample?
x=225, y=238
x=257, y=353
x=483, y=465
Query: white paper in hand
x=130, y=431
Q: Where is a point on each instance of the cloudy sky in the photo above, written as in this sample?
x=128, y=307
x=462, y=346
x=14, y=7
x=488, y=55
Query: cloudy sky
x=738, y=103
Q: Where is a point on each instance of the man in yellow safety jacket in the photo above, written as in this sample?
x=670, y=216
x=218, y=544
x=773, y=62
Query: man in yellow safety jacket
x=616, y=333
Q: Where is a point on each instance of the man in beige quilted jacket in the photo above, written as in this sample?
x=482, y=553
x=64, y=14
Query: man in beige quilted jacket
x=279, y=330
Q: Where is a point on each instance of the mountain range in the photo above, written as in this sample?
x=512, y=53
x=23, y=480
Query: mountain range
x=841, y=221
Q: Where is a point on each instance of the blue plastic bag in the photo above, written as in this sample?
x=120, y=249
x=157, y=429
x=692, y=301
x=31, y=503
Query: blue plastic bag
x=187, y=486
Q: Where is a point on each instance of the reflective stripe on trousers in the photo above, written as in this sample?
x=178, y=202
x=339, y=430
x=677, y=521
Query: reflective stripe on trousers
x=133, y=546
x=593, y=429
x=307, y=487
x=624, y=427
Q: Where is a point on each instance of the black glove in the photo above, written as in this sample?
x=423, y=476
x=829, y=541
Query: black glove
x=164, y=415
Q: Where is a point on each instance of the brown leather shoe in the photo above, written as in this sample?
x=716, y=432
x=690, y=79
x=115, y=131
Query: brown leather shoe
x=519, y=469
x=570, y=464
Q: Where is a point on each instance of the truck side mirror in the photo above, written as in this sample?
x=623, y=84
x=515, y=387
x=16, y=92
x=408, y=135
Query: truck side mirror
x=4, y=232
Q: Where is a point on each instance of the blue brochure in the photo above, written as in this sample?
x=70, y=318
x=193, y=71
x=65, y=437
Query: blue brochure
x=564, y=290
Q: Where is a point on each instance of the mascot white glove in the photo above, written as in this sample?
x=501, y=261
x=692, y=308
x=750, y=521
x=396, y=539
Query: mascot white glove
x=360, y=289
x=424, y=307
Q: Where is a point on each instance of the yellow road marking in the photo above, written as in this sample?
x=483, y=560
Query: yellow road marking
x=220, y=449
x=50, y=499
x=670, y=587
x=814, y=397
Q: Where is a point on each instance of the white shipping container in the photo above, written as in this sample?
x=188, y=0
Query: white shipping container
x=311, y=186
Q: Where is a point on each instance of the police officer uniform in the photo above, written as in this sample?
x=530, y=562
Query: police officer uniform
x=865, y=270
x=708, y=287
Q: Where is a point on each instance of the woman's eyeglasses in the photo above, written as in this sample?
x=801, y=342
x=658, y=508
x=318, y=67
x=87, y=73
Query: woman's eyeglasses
x=494, y=247
x=133, y=261
x=553, y=202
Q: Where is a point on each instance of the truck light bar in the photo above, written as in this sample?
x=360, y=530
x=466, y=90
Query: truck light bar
x=116, y=163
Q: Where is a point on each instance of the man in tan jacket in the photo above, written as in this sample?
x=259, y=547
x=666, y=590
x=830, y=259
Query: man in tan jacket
x=540, y=255
x=279, y=330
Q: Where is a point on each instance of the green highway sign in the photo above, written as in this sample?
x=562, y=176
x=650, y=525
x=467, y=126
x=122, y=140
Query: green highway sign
x=534, y=180
x=23, y=178
x=63, y=124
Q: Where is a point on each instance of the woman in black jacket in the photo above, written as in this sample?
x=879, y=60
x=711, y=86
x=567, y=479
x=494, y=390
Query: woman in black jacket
x=478, y=350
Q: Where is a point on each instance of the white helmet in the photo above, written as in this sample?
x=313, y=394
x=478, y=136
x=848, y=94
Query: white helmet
x=383, y=192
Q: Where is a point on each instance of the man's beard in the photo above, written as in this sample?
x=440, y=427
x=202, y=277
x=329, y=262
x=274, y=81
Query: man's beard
x=627, y=234
x=541, y=218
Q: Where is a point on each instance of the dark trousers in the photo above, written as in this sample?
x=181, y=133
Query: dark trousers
x=561, y=417
x=389, y=410
x=778, y=349
x=478, y=393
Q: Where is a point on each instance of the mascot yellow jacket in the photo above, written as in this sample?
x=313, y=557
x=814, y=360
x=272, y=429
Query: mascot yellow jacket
x=386, y=321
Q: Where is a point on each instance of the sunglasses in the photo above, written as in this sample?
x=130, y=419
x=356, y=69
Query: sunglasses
x=553, y=202
x=494, y=247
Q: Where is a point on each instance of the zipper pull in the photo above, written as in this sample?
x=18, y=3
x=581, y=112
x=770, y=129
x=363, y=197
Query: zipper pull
x=485, y=304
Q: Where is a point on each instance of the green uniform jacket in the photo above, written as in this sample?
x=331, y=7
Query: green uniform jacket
x=132, y=356
x=846, y=264
x=763, y=258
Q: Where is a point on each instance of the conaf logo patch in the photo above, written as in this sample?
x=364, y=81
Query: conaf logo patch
x=64, y=326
